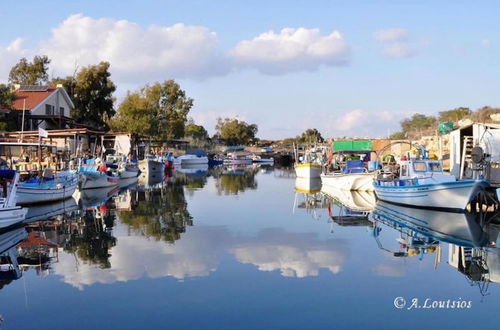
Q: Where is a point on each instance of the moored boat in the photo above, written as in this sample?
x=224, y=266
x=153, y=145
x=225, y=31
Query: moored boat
x=151, y=166
x=192, y=157
x=49, y=187
x=92, y=177
x=421, y=183
x=308, y=170
x=237, y=158
x=353, y=176
x=10, y=213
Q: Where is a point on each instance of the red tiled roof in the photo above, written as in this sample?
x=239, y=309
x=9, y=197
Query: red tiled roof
x=33, y=98
x=34, y=239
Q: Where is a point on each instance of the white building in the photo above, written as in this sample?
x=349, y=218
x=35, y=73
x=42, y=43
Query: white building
x=484, y=135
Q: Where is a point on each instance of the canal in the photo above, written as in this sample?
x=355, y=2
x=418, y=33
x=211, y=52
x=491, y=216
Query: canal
x=237, y=248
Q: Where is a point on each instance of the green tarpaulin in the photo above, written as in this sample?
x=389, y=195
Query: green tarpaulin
x=354, y=145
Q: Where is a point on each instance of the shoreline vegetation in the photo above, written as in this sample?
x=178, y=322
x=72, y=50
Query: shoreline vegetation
x=160, y=110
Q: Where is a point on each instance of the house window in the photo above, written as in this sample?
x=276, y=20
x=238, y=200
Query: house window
x=61, y=111
x=48, y=109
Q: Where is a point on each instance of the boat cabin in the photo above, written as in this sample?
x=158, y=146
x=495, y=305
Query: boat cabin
x=424, y=170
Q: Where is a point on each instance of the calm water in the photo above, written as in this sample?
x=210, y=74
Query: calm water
x=241, y=249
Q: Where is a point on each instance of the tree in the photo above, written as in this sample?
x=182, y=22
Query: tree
x=6, y=99
x=483, y=115
x=30, y=73
x=196, y=132
x=158, y=110
x=397, y=136
x=235, y=131
x=6, y=96
x=311, y=135
x=92, y=93
x=454, y=115
x=418, y=125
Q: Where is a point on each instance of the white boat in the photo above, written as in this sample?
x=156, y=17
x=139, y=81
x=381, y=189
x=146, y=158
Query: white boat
x=124, y=168
x=151, y=166
x=236, y=158
x=308, y=170
x=423, y=184
x=192, y=157
x=48, y=188
x=91, y=178
x=10, y=213
x=352, y=177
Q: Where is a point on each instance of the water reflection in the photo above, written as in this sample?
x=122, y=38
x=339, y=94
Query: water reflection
x=9, y=265
x=232, y=180
x=472, y=240
x=159, y=213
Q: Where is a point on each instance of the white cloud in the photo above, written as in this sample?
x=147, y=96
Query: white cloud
x=391, y=35
x=399, y=50
x=293, y=254
x=291, y=50
x=9, y=56
x=396, y=43
x=134, y=52
x=355, y=123
x=485, y=43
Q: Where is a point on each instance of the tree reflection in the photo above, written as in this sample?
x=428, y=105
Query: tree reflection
x=161, y=213
x=233, y=180
x=92, y=241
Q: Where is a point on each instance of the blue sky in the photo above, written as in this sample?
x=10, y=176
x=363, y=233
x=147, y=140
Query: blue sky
x=348, y=68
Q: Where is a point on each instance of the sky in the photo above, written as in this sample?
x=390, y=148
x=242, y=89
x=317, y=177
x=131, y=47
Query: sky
x=347, y=68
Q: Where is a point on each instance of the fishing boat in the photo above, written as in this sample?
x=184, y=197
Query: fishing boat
x=125, y=169
x=151, y=166
x=10, y=213
x=49, y=187
x=192, y=157
x=353, y=176
x=421, y=183
x=237, y=158
x=308, y=166
x=308, y=170
x=95, y=175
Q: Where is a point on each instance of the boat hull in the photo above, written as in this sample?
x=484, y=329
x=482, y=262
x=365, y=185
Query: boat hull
x=237, y=161
x=33, y=195
x=308, y=170
x=448, y=196
x=97, y=180
x=151, y=167
x=351, y=181
x=129, y=173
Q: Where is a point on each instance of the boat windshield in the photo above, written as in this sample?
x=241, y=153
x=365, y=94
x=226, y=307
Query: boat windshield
x=419, y=167
x=435, y=167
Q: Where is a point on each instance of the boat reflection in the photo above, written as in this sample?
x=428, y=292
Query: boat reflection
x=9, y=265
x=472, y=239
x=66, y=208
